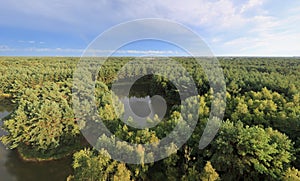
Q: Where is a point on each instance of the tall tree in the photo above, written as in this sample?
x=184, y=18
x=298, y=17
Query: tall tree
x=241, y=151
x=209, y=173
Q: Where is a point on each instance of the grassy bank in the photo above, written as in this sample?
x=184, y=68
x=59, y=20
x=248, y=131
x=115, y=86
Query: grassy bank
x=32, y=155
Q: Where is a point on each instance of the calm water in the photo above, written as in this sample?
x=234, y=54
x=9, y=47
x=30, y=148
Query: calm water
x=12, y=168
x=142, y=108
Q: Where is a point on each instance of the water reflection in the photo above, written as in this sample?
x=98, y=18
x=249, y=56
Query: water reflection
x=5, y=109
x=17, y=169
x=143, y=110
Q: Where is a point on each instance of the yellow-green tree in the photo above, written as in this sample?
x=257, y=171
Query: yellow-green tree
x=291, y=174
x=43, y=120
x=209, y=173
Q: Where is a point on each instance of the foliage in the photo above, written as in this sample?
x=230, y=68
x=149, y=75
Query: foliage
x=91, y=166
x=241, y=151
x=262, y=103
x=43, y=119
x=291, y=174
x=209, y=173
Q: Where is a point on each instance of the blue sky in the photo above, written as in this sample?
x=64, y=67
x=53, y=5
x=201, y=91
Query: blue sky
x=229, y=27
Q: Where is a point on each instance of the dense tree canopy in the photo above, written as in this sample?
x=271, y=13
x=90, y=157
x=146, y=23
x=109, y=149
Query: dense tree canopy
x=250, y=152
x=260, y=138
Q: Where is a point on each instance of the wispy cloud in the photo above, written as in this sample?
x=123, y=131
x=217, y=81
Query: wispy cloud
x=28, y=41
x=251, y=4
x=95, y=14
x=4, y=48
x=269, y=36
x=228, y=26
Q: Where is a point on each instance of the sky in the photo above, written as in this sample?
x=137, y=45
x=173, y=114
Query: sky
x=228, y=27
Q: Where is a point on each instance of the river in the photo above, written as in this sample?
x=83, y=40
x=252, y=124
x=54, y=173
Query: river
x=12, y=168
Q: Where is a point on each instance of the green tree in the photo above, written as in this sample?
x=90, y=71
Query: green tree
x=209, y=173
x=122, y=173
x=43, y=120
x=91, y=166
x=250, y=152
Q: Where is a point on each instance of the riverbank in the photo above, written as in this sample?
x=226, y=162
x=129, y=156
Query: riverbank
x=14, y=166
x=31, y=155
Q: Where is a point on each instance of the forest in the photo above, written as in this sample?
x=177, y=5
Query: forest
x=258, y=139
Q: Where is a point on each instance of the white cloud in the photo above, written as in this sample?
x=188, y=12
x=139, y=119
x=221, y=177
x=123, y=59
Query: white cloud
x=230, y=26
x=251, y=4
x=268, y=35
x=89, y=15
x=94, y=14
x=34, y=49
x=29, y=41
x=220, y=14
x=148, y=52
x=4, y=48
